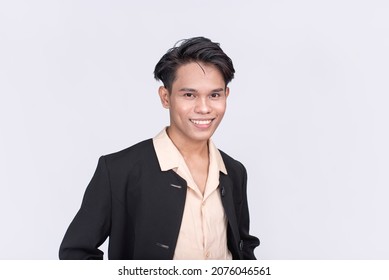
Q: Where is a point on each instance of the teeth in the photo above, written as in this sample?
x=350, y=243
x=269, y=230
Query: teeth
x=201, y=121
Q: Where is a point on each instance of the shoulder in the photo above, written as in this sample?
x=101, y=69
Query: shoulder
x=233, y=166
x=134, y=149
x=131, y=155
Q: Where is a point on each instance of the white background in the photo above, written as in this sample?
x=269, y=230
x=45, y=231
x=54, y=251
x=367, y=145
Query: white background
x=307, y=114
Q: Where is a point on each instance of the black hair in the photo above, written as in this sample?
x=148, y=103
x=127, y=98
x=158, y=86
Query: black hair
x=197, y=49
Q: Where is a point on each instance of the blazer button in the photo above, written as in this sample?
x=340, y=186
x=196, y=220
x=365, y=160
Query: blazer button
x=241, y=245
x=223, y=191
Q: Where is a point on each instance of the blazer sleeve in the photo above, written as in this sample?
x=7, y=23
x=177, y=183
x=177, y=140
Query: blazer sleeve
x=248, y=242
x=91, y=225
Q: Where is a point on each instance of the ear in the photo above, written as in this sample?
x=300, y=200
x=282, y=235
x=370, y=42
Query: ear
x=227, y=91
x=164, y=95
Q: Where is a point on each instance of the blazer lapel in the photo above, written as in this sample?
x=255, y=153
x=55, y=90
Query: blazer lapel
x=162, y=209
x=226, y=192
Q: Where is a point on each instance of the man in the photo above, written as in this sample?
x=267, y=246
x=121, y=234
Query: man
x=174, y=196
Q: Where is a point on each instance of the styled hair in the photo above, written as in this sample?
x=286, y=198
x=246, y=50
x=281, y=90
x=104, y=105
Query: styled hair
x=197, y=49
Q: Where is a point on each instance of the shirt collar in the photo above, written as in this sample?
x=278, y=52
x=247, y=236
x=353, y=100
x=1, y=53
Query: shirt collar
x=169, y=157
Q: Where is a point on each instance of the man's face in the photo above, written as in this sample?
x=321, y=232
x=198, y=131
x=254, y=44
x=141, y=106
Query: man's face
x=197, y=102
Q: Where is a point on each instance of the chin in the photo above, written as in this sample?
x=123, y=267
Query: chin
x=202, y=136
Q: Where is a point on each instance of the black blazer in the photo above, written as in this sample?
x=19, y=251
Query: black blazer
x=131, y=201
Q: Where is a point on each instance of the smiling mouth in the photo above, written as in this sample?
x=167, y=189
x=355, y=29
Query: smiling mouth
x=202, y=122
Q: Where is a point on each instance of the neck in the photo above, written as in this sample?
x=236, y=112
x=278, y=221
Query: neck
x=187, y=147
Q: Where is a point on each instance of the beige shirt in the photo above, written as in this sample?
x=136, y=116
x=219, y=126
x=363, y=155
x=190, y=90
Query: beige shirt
x=203, y=232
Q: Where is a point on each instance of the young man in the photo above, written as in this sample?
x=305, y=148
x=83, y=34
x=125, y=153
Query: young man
x=175, y=196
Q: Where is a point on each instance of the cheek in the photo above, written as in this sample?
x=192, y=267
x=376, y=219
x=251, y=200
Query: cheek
x=179, y=112
x=220, y=108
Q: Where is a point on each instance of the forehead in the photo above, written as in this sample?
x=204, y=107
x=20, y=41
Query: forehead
x=198, y=74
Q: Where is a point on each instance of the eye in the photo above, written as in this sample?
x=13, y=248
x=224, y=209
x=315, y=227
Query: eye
x=189, y=95
x=215, y=95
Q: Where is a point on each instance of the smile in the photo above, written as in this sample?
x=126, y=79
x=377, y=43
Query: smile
x=201, y=122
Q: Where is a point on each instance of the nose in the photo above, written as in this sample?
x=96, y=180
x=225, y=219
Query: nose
x=203, y=106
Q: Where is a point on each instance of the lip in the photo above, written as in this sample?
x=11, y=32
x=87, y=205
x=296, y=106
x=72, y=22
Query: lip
x=202, y=123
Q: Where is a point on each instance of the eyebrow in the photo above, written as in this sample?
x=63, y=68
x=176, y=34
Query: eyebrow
x=193, y=90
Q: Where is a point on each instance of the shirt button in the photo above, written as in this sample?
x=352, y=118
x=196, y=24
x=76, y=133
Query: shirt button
x=207, y=255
